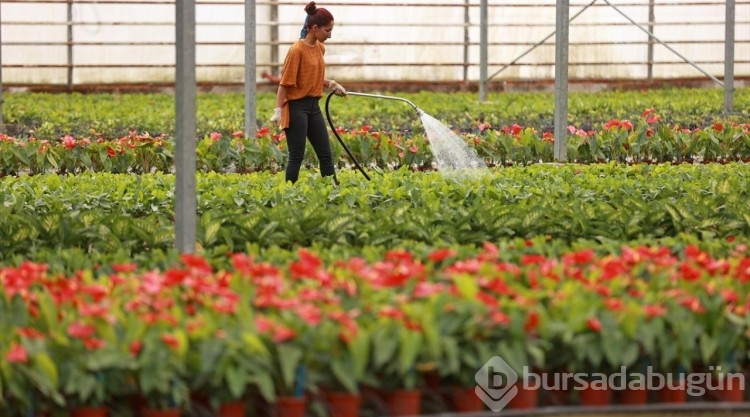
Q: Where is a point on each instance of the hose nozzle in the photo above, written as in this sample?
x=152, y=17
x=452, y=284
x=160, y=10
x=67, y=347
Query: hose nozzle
x=419, y=111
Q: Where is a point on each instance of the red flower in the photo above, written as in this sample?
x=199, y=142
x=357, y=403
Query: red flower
x=135, y=347
x=499, y=317
x=124, y=268
x=281, y=334
x=614, y=304
x=532, y=322
x=93, y=343
x=654, y=310
x=170, y=340
x=17, y=354
x=441, y=255
x=594, y=324
x=81, y=331
x=29, y=333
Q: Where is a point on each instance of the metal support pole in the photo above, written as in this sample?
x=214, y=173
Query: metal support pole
x=274, y=37
x=716, y=80
x=467, y=39
x=561, y=81
x=2, y=127
x=650, y=57
x=483, y=50
x=250, y=69
x=70, y=45
x=185, y=128
x=729, y=22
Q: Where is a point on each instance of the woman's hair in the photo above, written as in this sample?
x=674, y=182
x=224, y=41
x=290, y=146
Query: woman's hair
x=315, y=16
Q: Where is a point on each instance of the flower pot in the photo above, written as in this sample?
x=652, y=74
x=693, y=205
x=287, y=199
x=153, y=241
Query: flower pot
x=159, y=412
x=465, y=399
x=233, y=409
x=525, y=399
x=632, y=396
x=590, y=396
x=343, y=404
x=290, y=406
x=89, y=412
x=403, y=402
x=730, y=390
x=673, y=392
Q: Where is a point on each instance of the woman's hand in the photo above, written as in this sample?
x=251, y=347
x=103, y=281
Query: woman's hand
x=337, y=88
x=276, y=118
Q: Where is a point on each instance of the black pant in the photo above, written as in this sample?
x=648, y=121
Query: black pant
x=306, y=122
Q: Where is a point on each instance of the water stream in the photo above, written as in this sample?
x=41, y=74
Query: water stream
x=451, y=152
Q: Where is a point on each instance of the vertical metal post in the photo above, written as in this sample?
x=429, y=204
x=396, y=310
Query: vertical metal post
x=650, y=57
x=1, y=68
x=729, y=57
x=250, y=69
x=70, y=44
x=275, y=37
x=483, y=50
x=561, y=81
x=467, y=39
x=185, y=127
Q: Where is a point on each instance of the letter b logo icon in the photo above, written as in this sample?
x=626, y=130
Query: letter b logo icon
x=496, y=383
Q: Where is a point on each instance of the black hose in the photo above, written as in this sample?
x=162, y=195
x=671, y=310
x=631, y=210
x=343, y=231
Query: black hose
x=346, y=148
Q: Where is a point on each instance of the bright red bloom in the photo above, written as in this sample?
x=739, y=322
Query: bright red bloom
x=532, y=321
x=124, y=268
x=441, y=254
x=170, y=340
x=594, y=324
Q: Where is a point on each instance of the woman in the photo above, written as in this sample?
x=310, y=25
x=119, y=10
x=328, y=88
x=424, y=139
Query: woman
x=300, y=89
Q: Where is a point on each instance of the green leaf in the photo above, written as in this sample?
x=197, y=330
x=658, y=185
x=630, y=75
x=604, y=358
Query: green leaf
x=289, y=358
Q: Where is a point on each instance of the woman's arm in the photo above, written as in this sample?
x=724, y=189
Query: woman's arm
x=280, y=96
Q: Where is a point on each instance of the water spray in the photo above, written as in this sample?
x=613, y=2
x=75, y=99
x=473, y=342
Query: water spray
x=419, y=111
x=450, y=151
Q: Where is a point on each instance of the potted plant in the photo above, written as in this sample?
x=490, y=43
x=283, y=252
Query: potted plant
x=224, y=363
x=341, y=353
x=161, y=372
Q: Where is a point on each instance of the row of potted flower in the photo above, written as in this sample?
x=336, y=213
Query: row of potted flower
x=647, y=140
x=355, y=325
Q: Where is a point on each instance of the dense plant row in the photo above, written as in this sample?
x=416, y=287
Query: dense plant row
x=306, y=326
x=52, y=116
x=611, y=204
x=645, y=140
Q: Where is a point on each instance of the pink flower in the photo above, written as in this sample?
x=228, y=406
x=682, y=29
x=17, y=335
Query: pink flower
x=17, y=354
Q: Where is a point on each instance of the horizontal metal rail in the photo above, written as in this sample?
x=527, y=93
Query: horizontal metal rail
x=376, y=64
x=332, y=4
x=81, y=53
x=406, y=43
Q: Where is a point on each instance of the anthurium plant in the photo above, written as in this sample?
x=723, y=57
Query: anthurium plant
x=300, y=326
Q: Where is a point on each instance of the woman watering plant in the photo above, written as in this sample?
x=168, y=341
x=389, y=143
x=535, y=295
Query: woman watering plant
x=300, y=89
